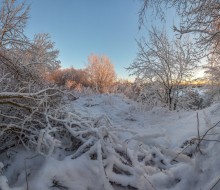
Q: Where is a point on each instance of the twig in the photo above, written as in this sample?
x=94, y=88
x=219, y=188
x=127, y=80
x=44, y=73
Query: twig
x=149, y=182
x=198, y=145
x=57, y=184
x=209, y=130
x=26, y=175
x=214, y=140
x=215, y=184
x=181, y=152
x=17, y=105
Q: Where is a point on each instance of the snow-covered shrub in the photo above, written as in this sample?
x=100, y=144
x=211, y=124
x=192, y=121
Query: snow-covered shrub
x=212, y=94
x=24, y=119
x=150, y=95
x=129, y=89
x=194, y=98
x=190, y=99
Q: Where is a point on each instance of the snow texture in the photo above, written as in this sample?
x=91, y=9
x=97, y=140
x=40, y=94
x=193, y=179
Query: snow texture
x=126, y=148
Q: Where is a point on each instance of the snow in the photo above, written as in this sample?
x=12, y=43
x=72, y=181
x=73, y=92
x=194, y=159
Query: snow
x=80, y=174
x=153, y=139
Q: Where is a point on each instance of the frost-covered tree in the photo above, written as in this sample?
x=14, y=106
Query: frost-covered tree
x=40, y=55
x=212, y=77
x=212, y=70
x=26, y=60
x=164, y=63
x=23, y=97
x=32, y=63
x=101, y=72
x=43, y=52
x=13, y=18
x=201, y=17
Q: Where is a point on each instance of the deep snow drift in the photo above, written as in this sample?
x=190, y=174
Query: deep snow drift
x=155, y=149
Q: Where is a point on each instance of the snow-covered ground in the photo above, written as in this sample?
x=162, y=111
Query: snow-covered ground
x=154, y=138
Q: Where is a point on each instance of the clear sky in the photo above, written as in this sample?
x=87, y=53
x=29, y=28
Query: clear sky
x=82, y=27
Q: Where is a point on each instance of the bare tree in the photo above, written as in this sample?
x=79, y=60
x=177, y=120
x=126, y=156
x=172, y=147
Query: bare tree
x=212, y=70
x=212, y=77
x=40, y=55
x=21, y=101
x=200, y=17
x=101, y=72
x=13, y=18
x=24, y=59
x=44, y=53
x=164, y=63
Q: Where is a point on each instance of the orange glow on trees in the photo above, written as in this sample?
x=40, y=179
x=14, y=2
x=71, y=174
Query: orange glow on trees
x=101, y=73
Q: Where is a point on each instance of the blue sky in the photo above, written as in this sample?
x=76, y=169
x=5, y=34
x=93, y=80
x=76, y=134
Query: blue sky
x=82, y=27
